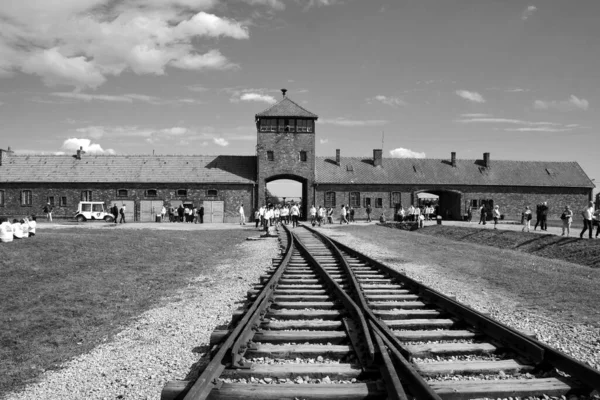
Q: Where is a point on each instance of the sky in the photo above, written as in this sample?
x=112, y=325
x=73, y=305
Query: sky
x=418, y=78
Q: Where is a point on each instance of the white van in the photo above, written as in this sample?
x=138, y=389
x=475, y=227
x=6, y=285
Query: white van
x=92, y=210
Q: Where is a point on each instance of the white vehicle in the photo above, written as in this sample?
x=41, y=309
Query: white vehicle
x=92, y=210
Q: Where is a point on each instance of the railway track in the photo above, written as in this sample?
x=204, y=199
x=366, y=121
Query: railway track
x=327, y=322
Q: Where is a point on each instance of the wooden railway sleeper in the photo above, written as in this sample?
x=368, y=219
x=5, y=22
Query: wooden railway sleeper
x=527, y=346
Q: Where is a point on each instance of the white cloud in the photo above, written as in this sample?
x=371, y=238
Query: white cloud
x=476, y=115
x=405, y=153
x=120, y=132
x=573, y=103
x=528, y=12
x=123, y=98
x=353, y=122
x=221, y=142
x=81, y=43
x=275, y=4
x=74, y=144
x=197, y=88
x=500, y=121
x=391, y=101
x=258, y=97
x=538, y=129
x=323, y=141
x=471, y=96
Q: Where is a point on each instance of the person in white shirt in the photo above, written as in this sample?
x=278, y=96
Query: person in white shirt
x=285, y=214
x=277, y=215
x=295, y=212
x=163, y=213
x=242, y=215
x=17, y=229
x=6, y=231
x=411, y=213
x=313, y=215
x=321, y=215
x=587, y=214
x=25, y=227
x=32, y=226
x=496, y=216
x=343, y=215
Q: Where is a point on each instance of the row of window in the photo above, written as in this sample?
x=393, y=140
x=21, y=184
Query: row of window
x=354, y=200
x=286, y=125
x=271, y=156
x=86, y=195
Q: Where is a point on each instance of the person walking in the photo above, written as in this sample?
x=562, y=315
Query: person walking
x=295, y=212
x=313, y=215
x=122, y=212
x=115, y=212
x=330, y=215
x=242, y=215
x=567, y=219
x=369, y=209
x=163, y=213
x=496, y=216
x=343, y=215
x=545, y=210
x=526, y=219
x=256, y=217
x=587, y=214
x=321, y=215
x=48, y=211
x=482, y=214
x=351, y=213
x=201, y=214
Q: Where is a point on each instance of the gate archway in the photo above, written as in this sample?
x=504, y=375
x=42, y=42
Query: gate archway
x=286, y=188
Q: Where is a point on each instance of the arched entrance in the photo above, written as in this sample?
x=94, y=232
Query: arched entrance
x=287, y=189
x=448, y=203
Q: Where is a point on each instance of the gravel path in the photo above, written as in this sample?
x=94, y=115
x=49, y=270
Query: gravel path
x=581, y=341
x=163, y=344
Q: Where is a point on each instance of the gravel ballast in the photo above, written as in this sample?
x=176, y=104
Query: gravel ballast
x=163, y=344
x=581, y=340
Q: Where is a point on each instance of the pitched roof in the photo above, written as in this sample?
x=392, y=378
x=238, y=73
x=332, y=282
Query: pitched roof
x=286, y=108
x=415, y=171
x=117, y=169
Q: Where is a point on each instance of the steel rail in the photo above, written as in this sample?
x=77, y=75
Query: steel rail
x=386, y=367
x=237, y=338
x=413, y=379
x=528, y=346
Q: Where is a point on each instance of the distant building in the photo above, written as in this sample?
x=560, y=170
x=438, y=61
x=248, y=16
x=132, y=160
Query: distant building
x=285, y=150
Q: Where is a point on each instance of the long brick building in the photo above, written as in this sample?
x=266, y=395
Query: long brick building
x=286, y=149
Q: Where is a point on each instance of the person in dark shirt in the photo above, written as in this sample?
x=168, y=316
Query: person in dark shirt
x=544, y=209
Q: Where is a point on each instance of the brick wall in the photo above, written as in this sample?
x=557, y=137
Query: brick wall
x=231, y=194
x=512, y=200
x=286, y=164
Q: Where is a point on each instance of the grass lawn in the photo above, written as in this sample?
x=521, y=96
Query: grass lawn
x=66, y=291
x=547, y=285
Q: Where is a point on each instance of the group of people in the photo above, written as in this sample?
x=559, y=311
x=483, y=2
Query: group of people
x=183, y=213
x=273, y=215
x=416, y=213
x=590, y=215
x=18, y=229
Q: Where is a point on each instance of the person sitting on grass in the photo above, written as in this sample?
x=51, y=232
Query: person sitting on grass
x=25, y=226
x=17, y=229
x=6, y=231
x=32, y=226
x=382, y=218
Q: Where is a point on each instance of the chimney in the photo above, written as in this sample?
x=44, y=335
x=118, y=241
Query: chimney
x=377, y=154
x=486, y=160
x=453, y=159
x=337, y=156
x=4, y=154
x=79, y=153
x=283, y=92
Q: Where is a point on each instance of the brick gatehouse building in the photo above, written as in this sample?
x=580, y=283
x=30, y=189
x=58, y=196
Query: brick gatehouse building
x=285, y=150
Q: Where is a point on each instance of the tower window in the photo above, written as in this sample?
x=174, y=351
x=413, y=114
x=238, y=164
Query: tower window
x=270, y=156
x=304, y=125
x=268, y=125
x=303, y=156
